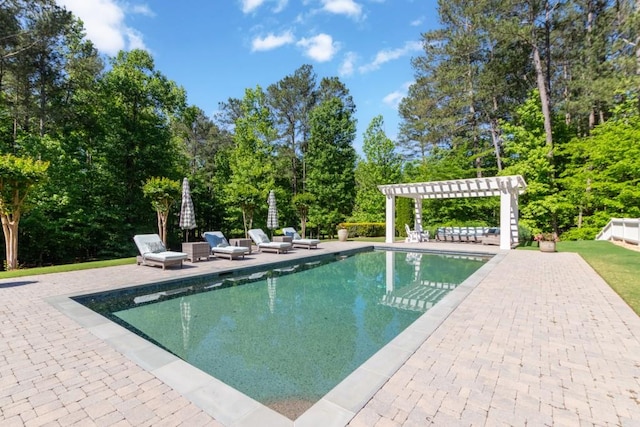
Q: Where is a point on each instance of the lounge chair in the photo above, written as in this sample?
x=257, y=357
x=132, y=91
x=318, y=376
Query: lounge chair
x=265, y=245
x=220, y=246
x=299, y=241
x=154, y=253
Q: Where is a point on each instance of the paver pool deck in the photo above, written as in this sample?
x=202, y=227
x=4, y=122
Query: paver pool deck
x=537, y=339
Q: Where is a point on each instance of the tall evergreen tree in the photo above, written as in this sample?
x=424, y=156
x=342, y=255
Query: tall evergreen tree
x=380, y=166
x=251, y=159
x=331, y=161
x=291, y=99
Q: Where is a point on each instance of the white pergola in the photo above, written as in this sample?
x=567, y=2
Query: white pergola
x=507, y=187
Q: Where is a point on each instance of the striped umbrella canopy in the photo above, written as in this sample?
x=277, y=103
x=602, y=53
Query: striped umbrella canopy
x=187, y=214
x=272, y=215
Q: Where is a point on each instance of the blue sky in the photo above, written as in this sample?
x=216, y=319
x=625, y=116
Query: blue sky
x=216, y=49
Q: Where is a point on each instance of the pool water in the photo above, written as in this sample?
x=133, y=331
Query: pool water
x=287, y=336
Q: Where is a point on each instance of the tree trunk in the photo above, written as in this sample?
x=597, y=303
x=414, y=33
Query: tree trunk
x=496, y=144
x=162, y=227
x=544, y=99
x=10, y=230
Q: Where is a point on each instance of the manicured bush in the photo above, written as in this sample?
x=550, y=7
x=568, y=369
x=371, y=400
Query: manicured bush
x=364, y=229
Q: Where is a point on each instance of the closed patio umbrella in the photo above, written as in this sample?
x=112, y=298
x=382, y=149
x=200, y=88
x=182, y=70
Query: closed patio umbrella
x=187, y=214
x=272, y=214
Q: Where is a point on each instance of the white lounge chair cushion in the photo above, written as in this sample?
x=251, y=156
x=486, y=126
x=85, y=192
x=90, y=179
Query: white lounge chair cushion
x=219, y=244
x=230, y=249
x=278, y=245
x=262, y=241
x=152, y=248
x=215, y=239
x=291, y=232
x=259, y=236
x=164, y=256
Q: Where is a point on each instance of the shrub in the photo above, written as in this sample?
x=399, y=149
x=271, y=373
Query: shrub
x=364, y=229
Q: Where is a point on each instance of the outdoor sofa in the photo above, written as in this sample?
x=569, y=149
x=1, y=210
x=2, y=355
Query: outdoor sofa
x=485, y=235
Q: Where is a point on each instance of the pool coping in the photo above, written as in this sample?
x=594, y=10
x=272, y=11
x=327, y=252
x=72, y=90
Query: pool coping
x=231, y=407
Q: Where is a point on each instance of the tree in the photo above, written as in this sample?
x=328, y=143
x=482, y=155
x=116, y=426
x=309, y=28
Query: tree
x=291, y=99
x=331, y=162
x=526, y=149
x=250, y=162
x=302, y=202
x=163, y=193
x=380, y=166
x=137, y=105
x=18, y=175
x=601, y=178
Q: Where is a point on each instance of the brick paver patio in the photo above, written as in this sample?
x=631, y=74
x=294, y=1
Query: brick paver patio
x=541, y=340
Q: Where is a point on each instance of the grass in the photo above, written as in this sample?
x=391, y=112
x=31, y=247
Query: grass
x=618, y=266
x=65, y=268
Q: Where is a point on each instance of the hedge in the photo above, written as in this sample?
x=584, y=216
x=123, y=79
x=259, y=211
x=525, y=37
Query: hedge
x=364, y=229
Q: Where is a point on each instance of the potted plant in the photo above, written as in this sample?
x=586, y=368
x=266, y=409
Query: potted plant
x=343, y=233
x=546, y=241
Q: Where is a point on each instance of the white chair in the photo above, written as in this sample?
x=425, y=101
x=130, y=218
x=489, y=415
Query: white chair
x=424, y=235
x=412, y=236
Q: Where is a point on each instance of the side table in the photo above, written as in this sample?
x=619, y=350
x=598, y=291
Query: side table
x=287, y=239
x=246, y=243
x=196, y=250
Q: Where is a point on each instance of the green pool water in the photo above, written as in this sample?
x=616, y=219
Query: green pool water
x=289, y=335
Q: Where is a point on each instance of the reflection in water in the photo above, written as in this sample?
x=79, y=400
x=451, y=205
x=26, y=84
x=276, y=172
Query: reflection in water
x=423, y=292
x=185, y=315
x=271, y=290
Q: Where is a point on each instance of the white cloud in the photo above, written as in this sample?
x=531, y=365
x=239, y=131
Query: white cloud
x=342, y=7
x=320, y=48
x=104, y=23
x=142, y=9
x=390, y=55
x=271, y=41
x=249, y=6
x=393, y=99
x=417, y=22
x=348, y=64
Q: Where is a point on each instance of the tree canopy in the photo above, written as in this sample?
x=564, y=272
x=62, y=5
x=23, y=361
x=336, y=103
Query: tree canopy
x=544, y=89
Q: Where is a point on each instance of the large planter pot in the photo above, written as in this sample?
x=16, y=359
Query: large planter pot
x=547, y=246
x=343, y=233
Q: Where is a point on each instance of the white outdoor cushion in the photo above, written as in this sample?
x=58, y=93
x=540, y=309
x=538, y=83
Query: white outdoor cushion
x=165, y=256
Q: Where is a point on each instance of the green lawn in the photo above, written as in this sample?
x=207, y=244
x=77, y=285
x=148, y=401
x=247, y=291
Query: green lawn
x=65, y=268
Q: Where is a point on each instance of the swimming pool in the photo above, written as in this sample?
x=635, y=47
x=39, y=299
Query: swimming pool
x=287, y=336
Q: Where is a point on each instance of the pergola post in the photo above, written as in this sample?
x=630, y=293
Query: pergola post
x=390, y=219
x=508, y=218
x=417, y=224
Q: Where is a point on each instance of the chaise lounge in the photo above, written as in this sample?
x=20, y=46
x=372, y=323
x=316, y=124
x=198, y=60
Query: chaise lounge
x=265, y=245
x=154, y=253
x=220, y=246
x=297, y=241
